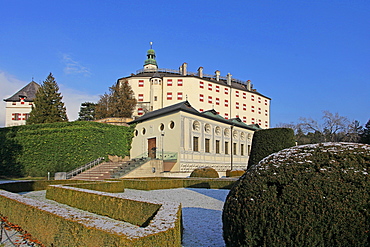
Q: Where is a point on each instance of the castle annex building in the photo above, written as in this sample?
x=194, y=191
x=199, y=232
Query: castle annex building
x=155, y=88
x=19, y=106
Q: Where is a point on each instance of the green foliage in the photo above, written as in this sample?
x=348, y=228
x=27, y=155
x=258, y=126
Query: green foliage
x=87, y=111
x=34, y=150
x=365, y=136
x=268, y=141
x=234, y=173
x=49, y=107
x=311, y=195
x=120, y=102
x=204, y=172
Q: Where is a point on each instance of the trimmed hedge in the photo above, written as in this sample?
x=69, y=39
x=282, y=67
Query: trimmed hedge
x=55, y=226
x=234, y=173
x=164, y=183
x=310, y=195
x=204, y=172
x=268, y=141
x=35, y=150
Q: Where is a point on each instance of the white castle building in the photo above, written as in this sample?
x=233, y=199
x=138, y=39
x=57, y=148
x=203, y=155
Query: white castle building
x=19, y=106
x=156, y=88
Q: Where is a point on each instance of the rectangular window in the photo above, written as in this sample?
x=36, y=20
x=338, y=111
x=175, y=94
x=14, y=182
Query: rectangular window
x=217, y=101
x=217, y=89
x=179, y=82
x=236, y=93
x=265, y=101
x=169, y=82
x=249, y=149
x=226, y=90
x=244, y=107
x=226, y=115
x=253, y=121
x=207, y=148
x=242, y=149
x=226, y=147
x=244, y=95
x=196, y=144
x=237, y=105
x=179, y=95
x=226, y=103
x=155, y=98
x=14, y=103
x=259, y=99
x=140, y=97
x=141, y=83
x=217, y=146
x=252, y=108
x=252, y=97
x=209, y=86
x=140, y=111
x=245, y=119
x=169, y=95
x=201, y=97
x=16, y=116
x=201, y=84
x=26, y=116
x=201, y=110
x=234, y=148
x=210, y=99
x=259, y=110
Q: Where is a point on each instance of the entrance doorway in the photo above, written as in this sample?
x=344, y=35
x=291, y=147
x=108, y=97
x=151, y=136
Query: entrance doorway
x=152, y=148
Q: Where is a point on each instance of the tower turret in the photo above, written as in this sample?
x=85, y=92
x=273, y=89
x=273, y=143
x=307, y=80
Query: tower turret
x=150, y=63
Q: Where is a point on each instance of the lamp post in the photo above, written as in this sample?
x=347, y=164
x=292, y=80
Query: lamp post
x=232, y=145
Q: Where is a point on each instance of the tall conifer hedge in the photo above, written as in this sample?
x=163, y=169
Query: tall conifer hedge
x=35, y=150
x=268, y=141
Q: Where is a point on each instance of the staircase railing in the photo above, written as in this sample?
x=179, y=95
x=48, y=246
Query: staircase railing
x=84, y=168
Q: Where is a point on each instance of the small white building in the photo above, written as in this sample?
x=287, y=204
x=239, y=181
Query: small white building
x=180, y=139
x=19, y=106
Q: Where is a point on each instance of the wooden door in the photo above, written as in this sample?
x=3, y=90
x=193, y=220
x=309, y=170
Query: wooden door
x=152, y=148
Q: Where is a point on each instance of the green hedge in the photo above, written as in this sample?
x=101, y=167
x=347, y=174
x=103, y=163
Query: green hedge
x=310, y=195
x=204, y=172
x=132, y=211
x=35, y=150
x=54, y=226
x=268, y=141
x=171, y=183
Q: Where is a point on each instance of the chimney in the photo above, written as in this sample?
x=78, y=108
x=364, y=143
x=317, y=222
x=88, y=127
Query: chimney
x=249, y=87
x=183, y=69
x=200, y=72
x=228, y=79
x=217, y=73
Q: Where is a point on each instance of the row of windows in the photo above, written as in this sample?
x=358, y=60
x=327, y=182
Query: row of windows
x=169, y=82
x=20, y=116
x=210, y=88
x=22, y=103
x=171, y=125
x=207, y=147
x=218, y=131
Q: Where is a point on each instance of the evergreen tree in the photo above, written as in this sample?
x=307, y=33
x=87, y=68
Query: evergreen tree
x=87, y=111
x=365, y=136
x=48, y=105
x=120, y=102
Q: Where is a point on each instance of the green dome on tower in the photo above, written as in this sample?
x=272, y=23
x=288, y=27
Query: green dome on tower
x=151, y=57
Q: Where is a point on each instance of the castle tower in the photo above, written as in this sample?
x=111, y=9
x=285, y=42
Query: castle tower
x=150, y=63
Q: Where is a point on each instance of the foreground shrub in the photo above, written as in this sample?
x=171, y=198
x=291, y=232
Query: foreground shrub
x=34, y=150
x=268, y=141
x=234, y=173
x=310, y=195
x=204, y=172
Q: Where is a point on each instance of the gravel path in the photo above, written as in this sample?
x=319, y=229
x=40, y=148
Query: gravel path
x=201, y=208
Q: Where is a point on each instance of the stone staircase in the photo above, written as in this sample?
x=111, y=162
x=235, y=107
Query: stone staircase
x=101, y=171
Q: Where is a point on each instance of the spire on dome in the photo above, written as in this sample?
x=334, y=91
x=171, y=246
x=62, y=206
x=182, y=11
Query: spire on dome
x=150, y=63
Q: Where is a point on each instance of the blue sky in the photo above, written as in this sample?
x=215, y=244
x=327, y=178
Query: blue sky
x=308, y=56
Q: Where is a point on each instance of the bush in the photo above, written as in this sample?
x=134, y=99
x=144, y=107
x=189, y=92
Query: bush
x=204, y=172
x=310, y=195
x=268, y=141
x=234, y=173
x=35, y=150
